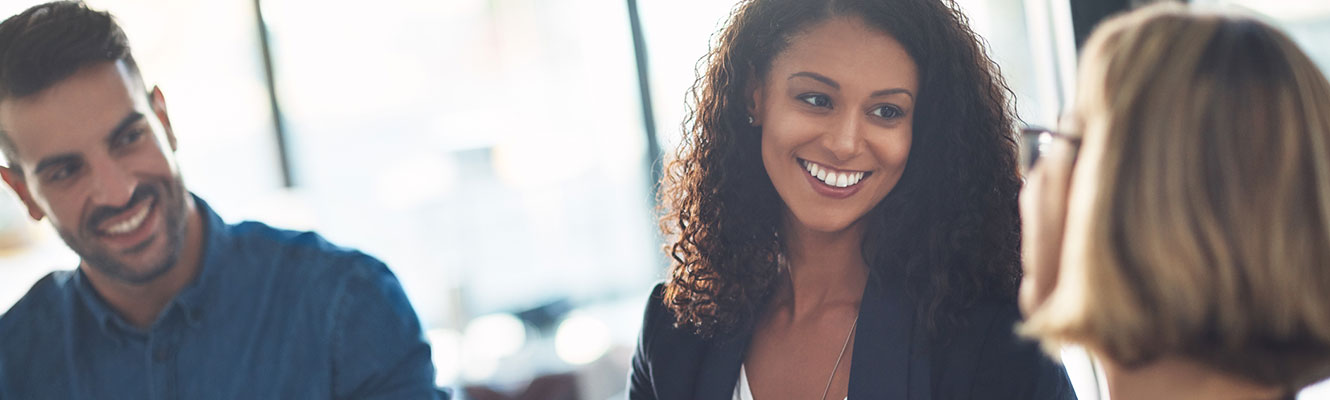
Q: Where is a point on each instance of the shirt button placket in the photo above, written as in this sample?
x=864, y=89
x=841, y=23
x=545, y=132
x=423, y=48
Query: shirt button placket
x=163, y=365
x=161, y=355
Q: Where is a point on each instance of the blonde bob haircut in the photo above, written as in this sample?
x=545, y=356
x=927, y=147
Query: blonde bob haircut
x=1198, y=220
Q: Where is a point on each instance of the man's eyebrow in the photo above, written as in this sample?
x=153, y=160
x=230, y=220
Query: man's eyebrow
x=130, y=119
x=817, y=77
x=125, y=123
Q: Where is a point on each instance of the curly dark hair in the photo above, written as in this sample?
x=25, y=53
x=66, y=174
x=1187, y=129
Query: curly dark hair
x=949, y=227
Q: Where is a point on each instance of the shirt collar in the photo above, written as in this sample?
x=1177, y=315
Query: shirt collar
x=105, y=317
x=198, y=295
x=191, y=300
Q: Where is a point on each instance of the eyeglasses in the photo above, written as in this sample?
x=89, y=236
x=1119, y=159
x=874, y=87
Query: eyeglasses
x=1036, y=140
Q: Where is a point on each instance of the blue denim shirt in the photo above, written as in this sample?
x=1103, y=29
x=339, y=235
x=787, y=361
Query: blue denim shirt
x=273, y=314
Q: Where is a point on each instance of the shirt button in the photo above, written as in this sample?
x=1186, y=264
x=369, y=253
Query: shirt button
x=160, y=355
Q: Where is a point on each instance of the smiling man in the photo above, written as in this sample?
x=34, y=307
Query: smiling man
x=168, y=301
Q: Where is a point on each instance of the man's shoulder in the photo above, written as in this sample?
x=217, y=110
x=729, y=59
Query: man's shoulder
x=302, y=253
x=32, y=331
x=39, y=310
x=46, y=297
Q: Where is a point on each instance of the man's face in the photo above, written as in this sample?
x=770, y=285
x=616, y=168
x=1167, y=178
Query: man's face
x=97, y=158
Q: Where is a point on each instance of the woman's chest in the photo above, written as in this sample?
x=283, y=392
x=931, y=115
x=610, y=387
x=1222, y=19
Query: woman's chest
x=787, y=361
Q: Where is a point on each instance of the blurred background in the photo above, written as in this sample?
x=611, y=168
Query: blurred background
x=499, y=155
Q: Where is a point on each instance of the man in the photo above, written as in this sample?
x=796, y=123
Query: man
x=168, y=301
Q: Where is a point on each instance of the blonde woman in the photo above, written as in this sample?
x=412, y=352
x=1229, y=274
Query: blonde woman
x=1178, y=225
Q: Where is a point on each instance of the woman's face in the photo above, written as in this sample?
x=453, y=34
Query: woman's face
x=836, y=111
x=1043, y=205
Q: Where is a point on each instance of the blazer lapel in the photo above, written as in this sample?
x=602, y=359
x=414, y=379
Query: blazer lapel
x=719, y=371
x=890, y=356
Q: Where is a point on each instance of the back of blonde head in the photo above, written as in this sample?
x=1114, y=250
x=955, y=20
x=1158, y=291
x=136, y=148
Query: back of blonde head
x=1199, y=212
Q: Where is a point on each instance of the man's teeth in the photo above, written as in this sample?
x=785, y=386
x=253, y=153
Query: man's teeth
x=131, y=223
x=837, y=179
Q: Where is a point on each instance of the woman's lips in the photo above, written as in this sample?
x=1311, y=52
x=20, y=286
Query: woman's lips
x=832, y=182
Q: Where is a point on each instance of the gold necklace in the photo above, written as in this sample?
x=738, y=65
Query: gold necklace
x=839, y=357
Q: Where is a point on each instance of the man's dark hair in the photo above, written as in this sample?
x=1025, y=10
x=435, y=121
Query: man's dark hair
x=49, y=42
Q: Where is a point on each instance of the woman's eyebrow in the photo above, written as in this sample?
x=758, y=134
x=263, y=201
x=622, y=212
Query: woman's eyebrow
x=817, y=77
x=888, y=92
x=832, y=82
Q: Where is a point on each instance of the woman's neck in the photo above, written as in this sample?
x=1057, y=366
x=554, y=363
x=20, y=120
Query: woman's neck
x=824, y=268
x=1175, y=378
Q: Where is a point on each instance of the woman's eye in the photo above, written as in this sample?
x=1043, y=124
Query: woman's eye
x=887, y=112
x=816, y=100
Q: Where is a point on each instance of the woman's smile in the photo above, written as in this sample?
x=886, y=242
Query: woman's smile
x=832, y=182
x=831, y=176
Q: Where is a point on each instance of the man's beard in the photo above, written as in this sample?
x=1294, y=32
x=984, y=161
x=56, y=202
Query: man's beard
x=168, y=196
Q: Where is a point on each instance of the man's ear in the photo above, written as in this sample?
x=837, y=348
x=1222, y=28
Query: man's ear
x=159, y=108
x=14, y=179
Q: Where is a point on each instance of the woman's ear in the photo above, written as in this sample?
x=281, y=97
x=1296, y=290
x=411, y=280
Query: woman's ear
x=756, y=98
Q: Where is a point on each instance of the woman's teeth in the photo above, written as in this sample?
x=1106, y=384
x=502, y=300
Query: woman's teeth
x=837, y=179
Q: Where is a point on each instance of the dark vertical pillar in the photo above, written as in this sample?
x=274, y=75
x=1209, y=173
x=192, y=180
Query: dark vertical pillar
x=279, y=127
x=1086, y=14
x=644, y=89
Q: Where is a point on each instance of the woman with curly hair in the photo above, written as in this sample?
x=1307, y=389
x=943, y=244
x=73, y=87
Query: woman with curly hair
x=842, y=216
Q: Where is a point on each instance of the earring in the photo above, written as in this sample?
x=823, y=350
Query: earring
x=750, y=119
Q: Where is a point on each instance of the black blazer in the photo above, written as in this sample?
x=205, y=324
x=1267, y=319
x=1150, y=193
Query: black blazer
x=893, y=358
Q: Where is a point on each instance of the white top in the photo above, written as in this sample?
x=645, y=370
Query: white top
x=741, y=389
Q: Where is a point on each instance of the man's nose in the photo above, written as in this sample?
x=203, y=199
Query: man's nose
x=113, y=185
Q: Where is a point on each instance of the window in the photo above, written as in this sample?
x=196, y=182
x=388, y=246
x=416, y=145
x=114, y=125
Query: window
x=491, y=152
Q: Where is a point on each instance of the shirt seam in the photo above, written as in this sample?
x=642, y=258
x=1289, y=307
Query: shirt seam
x=334, y=335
